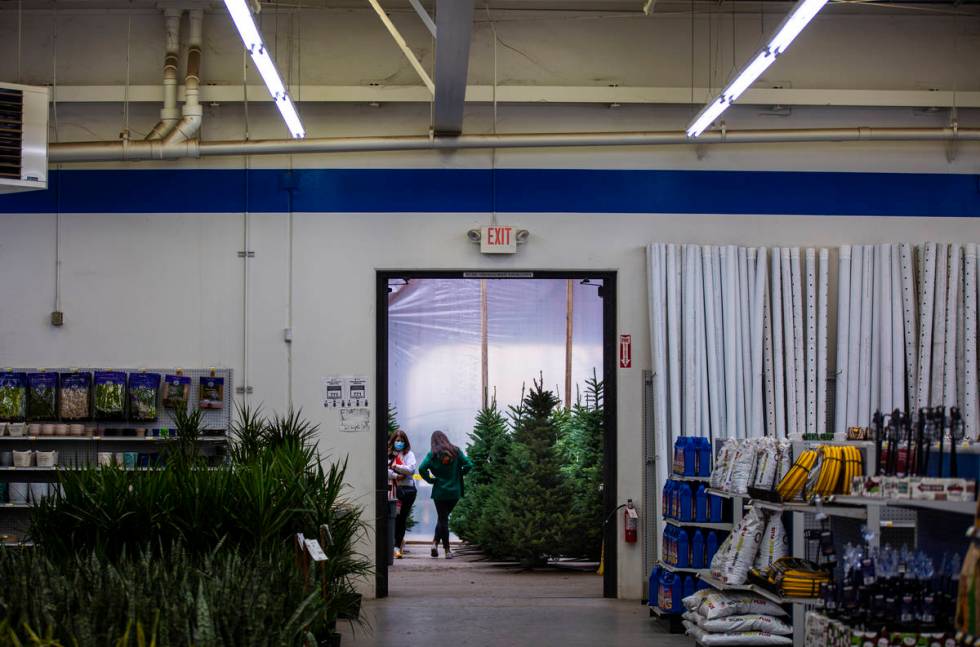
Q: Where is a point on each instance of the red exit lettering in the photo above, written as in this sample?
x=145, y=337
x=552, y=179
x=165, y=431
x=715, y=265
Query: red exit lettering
x=498, y=235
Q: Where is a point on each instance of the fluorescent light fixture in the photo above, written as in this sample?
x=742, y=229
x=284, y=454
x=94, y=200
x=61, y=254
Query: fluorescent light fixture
x=242, y=17
x=790, y=28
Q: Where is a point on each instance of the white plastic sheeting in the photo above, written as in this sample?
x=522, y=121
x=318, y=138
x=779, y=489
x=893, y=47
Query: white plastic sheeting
x=435, y=357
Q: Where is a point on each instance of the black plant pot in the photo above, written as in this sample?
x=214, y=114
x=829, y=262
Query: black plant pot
x=330, y=640
x=355, y=610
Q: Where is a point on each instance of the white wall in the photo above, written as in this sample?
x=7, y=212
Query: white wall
x=167, y=289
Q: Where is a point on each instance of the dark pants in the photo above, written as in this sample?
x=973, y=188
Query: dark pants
x=406, y=495
x=443, y=509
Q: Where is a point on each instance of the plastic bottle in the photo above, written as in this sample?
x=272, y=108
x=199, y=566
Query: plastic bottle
x=710, y=547
x=653, y=585
x=701, y=505
x=691, y=456
x=704, y=457
x=714, y=508
x=686, y=512
x=667, y=538
x=697, y=550
x=671, y=591
x=683, y=549
x=668, y=498
x=679, y=445
x=688, y=586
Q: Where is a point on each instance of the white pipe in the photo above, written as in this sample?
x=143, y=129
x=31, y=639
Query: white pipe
x=778, y=362
x=742, y=360
x=926, y=304
x=789, y=346
x=823, y=289
x=704, y=426
x=886, y=403
x=716, y=268
x=952, y=316
x=854, y=336
x=729, y=278
x=843, y=321
x=909, y=320
x=191, y=113
x=691, y=389
x=970, y=403
x=169, y=114
x=800, y=360
x=898, y=339
x=810, y=269
x=658, y=333
x=673, y=340
x=758, y=296
x=939, y=325
x=767, y=361
x=874, y=399
x=864, y=370
x=123, y=151
x=711, y=341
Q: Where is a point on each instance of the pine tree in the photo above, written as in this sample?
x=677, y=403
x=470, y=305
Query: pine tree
x=488, y=448
x=582, y=449
x=392, y=419
x=527, y=512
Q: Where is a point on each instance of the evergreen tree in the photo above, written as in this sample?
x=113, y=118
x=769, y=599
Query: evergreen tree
x=392, y=419
x=488, y=448
x=582, y=450
x=527, y=512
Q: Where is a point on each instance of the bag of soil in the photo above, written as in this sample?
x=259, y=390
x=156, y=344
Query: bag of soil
x=212, y=393
x=110, y=395
x=76, y=395
x=176, y=391
x=775, y=544
x=13, y=396
x=144, y=388
x=42, y=396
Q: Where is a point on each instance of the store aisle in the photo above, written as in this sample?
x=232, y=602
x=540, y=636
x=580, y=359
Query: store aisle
x=469, y=603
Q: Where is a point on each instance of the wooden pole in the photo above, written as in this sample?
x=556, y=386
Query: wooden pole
x=569, y=318
x=485, y=370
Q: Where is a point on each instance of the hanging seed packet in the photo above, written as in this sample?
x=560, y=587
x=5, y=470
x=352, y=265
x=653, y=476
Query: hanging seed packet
x=13, y=396
x=176, y=391
x=212, y=394
x=143, y=391
x=110, y=395
x=42, y=396
x=76, y=391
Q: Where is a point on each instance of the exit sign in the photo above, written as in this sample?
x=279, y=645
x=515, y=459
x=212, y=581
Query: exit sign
x=498, y=240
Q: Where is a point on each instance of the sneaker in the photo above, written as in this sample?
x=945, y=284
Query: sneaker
x=398, y=553
x=449, y=554
x=435, y=552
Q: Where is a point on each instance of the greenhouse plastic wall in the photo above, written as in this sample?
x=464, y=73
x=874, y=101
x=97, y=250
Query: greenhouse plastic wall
x=435, y=358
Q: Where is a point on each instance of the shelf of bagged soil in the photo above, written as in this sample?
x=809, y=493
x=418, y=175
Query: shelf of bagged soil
x=678, y=569
x=955, y=507
x=716, y=583
x=697, y=524
x=852, y=512
x=90, y=439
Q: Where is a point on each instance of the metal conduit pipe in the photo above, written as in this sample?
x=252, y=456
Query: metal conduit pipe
x=175, y=149
x=169, y=114
x=191, y=113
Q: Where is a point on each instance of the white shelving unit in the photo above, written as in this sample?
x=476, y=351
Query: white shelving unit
x=697, y=524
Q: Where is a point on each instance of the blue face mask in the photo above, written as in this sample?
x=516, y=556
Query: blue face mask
x=399, y=445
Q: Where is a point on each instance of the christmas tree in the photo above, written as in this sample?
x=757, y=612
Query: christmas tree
x=581, y=447
x=488, y=448
x=527, y=512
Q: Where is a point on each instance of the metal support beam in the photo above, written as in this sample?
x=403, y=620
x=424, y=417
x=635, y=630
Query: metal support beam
x=454, y=20
x=424, y=15
x=402, y=45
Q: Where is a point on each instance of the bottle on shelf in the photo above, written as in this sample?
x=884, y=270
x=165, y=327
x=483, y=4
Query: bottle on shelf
x=701, y=504
x=697, y=549
x=688, y=586
x=710, y=547
x=683, y=549
x=686, y=512
x=704, y=457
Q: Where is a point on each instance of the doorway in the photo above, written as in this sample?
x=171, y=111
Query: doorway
x=474, y=294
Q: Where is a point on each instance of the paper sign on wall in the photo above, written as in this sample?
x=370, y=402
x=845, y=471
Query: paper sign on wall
x=354, y=420
x=357, y=391
x=345, y=391
x=333, y=392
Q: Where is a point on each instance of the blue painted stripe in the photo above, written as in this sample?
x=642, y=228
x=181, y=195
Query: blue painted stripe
x=516, y=190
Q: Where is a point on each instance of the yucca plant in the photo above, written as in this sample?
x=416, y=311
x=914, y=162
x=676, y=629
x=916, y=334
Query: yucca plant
x=183, y=451
x=247, y=431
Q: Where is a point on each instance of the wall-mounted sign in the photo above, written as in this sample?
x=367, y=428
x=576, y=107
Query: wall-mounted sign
x=498, y=239
x=625, y=351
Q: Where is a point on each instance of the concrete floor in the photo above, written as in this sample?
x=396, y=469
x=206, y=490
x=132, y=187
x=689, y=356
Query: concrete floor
x=466, y=602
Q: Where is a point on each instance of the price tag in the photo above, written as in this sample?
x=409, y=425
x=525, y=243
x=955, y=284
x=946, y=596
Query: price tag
x=316, y=553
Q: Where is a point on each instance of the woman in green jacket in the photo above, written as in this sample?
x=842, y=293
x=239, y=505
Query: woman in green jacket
x=444, y=467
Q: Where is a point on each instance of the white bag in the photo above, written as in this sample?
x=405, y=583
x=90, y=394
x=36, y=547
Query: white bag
x=722, y=462
x=766, y=464
x=741, y=623
x=747, y=638
x=775, y=543
x=720, y=560
x=784, y=452
x=745, y=547
x=692, y=602
x=742, y=465
x=721, y=605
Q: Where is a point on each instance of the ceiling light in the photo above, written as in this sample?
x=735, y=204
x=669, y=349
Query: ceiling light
x=790, y=28
x=241, y=15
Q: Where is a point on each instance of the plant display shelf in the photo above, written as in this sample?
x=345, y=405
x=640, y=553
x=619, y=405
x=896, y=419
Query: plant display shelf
x=716, y=583
x=697, y=524
x=677, y=569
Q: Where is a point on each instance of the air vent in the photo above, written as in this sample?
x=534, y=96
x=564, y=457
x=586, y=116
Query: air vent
x=11, y=131
x=23, y=138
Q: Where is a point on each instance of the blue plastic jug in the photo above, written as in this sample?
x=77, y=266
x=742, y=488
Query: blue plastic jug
x=697, y=550
x=653, y=585
x=704, y=457
x=679, y=445
x=671, y=592
x=710, y=547
x=701, y=505
x=691, y=456
x=668, y=498
x=714, y=508
x=686, y=512
x=688, y=587
x=683, y=549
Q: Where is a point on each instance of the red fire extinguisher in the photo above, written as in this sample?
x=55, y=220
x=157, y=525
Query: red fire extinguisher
x=631, y=522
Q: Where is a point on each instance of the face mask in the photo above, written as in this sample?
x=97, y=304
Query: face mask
x=399, y=445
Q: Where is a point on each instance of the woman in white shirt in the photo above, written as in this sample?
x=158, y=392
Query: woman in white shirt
x=401, y=471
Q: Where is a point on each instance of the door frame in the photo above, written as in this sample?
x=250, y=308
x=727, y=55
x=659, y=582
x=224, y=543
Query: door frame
x=608, y=292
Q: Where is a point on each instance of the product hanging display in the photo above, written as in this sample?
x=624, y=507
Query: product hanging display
x=176, y=391
x=42, y=396
x=212, y=392
x=13, y=396
x=75, y=395
x=143, y=394
x=110, y=395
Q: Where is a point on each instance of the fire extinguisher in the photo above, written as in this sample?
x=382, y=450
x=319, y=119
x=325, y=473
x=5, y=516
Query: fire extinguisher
x=631, y=522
